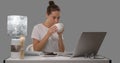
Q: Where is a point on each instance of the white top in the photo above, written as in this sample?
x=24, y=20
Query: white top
x=39, y=31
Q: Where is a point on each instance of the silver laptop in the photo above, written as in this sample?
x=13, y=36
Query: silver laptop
x=89, y=43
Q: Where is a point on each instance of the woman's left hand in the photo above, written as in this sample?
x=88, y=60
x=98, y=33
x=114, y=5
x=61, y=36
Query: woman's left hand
x=60, y=33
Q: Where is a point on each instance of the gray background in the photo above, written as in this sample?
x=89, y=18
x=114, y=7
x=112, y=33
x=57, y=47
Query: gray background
x=77, y=16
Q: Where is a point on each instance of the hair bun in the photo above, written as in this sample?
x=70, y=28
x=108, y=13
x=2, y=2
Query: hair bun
x=51, y=3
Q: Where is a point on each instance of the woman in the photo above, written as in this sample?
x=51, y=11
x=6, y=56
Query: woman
x=45, y=36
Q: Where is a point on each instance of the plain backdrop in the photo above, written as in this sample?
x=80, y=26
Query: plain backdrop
x=77, y=15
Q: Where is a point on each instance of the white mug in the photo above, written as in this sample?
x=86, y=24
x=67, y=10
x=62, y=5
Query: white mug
x=59, y=26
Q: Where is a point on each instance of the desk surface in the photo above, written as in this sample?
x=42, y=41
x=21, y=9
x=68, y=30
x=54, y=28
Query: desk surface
x=56, y=59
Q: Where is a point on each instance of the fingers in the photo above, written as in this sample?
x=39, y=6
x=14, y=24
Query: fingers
x=53, y=29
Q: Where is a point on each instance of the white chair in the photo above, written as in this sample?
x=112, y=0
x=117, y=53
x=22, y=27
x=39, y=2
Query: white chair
x=30, y=48
x=30, y=51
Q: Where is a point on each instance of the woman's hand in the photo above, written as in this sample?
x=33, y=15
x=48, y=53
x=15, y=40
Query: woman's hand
x=52, y=30
x=60, y=33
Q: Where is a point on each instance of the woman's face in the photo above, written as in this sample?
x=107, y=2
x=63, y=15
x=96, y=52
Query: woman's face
x=54, y=17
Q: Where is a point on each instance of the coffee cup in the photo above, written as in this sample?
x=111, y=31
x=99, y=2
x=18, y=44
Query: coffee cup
x=59, y=26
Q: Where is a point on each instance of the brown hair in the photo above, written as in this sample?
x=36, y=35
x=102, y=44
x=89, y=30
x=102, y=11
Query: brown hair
x=52, y=7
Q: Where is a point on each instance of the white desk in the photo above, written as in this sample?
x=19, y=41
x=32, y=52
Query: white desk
x=56, y=59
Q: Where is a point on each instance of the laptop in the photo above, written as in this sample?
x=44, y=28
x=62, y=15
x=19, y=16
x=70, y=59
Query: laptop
x=88, y=44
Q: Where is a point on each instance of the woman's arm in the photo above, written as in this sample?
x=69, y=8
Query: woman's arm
x=39, y=45
x=60, y=44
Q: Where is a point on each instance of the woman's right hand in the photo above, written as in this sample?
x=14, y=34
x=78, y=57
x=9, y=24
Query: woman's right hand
x=52, y=30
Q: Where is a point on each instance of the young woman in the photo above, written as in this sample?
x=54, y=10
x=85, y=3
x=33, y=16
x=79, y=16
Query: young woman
x=45, y=36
